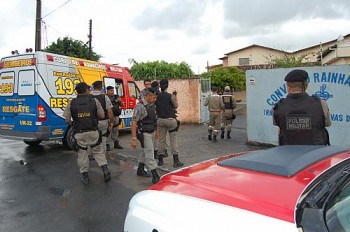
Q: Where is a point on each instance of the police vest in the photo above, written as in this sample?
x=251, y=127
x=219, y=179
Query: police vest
x=228, y=102
x=84, y=113
x=149, y=123
x=102, y=99
x=301, y=120
x=116, y=106
x=165, y=107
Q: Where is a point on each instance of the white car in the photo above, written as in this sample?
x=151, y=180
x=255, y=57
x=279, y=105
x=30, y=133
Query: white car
x=286, y=188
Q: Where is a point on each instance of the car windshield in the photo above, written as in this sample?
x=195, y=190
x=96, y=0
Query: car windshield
x=338, y=210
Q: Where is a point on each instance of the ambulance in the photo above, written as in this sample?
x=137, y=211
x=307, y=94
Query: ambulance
x=36, y=87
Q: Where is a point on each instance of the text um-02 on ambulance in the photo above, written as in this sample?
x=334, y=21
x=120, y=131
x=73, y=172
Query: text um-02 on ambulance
x=333, y=87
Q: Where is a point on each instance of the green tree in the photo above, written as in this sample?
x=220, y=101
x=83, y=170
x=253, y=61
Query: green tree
x=70, y=47
x=230, y=76
x=159, y=70
x=288, y=61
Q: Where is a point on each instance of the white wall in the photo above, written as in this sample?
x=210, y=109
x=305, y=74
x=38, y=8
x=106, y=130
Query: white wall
x=266, y=87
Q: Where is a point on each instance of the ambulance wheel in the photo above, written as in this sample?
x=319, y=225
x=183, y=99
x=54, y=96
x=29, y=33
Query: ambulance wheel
x=32, y=142
x=68, y=140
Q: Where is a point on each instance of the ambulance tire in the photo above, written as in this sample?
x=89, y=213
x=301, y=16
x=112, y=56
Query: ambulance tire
x=68, y=140
x=32, y=142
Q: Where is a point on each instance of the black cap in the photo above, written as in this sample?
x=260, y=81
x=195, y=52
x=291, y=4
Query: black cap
x=151, y=90
x=296, y=75
x=164, y=82
x=155, y=84
x=81, y=85
x=97, y=84
x=109, y=87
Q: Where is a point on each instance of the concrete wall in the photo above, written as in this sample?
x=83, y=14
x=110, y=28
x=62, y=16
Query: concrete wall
x=188, y=92
x=266, y=87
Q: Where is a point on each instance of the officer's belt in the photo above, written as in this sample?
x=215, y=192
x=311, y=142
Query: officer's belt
x=82, y=131
x=147, y=131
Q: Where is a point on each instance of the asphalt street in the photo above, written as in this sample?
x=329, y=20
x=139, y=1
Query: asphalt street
x=40, y=187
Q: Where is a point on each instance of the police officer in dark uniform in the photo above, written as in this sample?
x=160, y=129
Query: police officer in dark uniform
x=166, y=105
x=85, y=112
x=302, y=119
x=145, y=121
x=113, y=139
x=228, y=115
x=105, y=125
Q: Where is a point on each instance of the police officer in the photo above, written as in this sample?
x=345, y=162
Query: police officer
x=145, y=120
x=166, y=104
x=85, y=112
x=105, y=125
x=302, y=119
x=147, y=84
x=228, y=115
x=113, y=139
x=215, y=106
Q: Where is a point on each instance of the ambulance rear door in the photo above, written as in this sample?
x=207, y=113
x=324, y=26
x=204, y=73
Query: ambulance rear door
x=18, y=98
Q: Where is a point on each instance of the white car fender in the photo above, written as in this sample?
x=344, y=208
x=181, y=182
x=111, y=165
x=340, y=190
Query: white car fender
x=161, y=211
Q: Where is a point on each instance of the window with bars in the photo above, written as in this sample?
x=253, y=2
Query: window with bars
x=243, y=61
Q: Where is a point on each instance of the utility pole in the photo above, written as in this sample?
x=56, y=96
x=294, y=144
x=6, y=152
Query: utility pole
x=90, y=39
x=38, y=26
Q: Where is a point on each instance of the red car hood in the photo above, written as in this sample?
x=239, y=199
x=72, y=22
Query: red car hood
x=268, y=194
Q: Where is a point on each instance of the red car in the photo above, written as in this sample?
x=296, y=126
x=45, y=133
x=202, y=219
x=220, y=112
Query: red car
x=286, y=188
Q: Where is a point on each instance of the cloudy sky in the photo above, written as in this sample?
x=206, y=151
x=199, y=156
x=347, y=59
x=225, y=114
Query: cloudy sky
x=194, y=31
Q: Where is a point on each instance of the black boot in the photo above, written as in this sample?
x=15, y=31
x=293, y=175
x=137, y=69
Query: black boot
x=106, y=173
x=85, y=178
x=141, y=171
x=214, y=139
x=155, y=154
x=155, y=176
x=222, y=134
x=228, y=135
x=160, y=160
x=117, y=145
x=177, y=162
x=209, y=137
x=166, y=153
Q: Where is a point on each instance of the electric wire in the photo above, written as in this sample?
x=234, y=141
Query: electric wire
x=56, y=9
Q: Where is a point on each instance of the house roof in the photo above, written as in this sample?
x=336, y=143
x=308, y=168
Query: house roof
x=273, y=49
x=318, y=45
x=255, y=45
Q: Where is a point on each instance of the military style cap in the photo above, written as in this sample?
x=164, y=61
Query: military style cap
x=81, y=85
x=296, y=75
x=164, y=82
x=227, y=89
x=155, y=84
x=151, y=90
x=97, y=84
x=109, y=87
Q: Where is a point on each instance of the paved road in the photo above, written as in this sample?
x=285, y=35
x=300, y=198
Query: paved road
x=45, y=194
x=194, y=145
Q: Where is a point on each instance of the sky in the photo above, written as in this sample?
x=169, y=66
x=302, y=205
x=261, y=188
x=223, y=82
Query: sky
x=195, y=31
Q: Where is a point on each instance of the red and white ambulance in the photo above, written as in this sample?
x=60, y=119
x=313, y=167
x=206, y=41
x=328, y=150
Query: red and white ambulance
x=36, y=87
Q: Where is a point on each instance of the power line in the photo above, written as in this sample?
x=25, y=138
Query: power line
x=51, y=27
x=56, y=8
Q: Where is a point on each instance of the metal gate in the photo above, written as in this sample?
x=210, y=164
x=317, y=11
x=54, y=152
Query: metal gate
x=205, y=92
